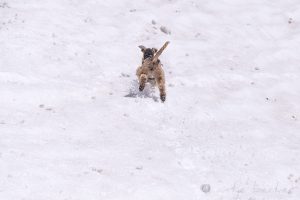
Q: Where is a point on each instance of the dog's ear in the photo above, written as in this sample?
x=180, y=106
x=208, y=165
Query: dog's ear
x=154, y=50
x=143, y=48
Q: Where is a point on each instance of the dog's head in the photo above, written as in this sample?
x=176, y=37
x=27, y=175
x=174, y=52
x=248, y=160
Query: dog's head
x=147, y=52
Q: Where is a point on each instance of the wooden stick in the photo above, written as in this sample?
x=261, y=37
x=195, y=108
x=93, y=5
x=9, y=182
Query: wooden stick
x=155, y=57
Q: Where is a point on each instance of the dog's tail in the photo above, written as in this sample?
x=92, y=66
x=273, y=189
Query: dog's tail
x=155, y=57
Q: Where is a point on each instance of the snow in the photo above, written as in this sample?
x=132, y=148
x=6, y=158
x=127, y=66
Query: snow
x=73, y=125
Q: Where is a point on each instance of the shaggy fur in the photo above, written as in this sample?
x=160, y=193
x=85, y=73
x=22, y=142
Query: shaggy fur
x=151, y=72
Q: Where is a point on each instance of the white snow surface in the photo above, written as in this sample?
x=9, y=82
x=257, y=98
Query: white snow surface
x=73, y=125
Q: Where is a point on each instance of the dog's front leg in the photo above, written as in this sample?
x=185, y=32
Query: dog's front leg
x=140, y=73
x=142, y=81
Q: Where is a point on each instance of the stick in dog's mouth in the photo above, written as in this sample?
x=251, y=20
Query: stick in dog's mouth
x=155, y=57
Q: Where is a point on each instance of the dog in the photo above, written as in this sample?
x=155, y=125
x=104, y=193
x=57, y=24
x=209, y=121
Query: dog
x=151, y=70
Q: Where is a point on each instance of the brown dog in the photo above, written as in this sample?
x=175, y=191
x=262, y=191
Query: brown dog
x=151, y=70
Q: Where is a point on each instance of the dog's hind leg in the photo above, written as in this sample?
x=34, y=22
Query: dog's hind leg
x=161, y=86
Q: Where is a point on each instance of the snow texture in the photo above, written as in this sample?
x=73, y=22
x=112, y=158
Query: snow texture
x=73, y=125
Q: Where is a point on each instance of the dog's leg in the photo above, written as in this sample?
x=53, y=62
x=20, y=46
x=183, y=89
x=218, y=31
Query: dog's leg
x=142, y=81
x=160, y=80
x=141, y=74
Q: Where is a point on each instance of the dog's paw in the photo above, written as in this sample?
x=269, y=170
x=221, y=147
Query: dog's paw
x=163, y=98
x=141, y=88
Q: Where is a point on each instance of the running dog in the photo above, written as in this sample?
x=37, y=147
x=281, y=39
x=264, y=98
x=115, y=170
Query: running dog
x=151, y=70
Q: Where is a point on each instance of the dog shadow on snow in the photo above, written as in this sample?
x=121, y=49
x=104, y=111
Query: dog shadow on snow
x=148, y=92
